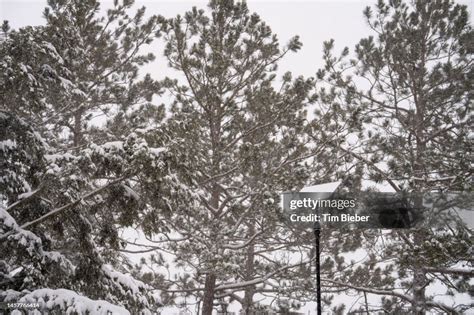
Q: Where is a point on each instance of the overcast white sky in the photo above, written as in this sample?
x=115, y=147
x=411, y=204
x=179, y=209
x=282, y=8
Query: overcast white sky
x=314, y=21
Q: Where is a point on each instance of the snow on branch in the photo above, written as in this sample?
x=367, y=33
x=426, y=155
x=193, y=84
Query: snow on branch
x=71, y=204
x=228, y=286
x=245, y=244
x=141, y=296
x=12, y=232
x=22, y=198
x=126, y=283
x=452, y=271
x=402, y=296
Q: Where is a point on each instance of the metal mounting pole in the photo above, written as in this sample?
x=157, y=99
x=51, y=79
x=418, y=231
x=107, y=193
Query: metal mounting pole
x=317, y=230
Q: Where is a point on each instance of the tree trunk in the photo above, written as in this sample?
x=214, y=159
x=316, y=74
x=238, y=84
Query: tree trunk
x=419, y=276
x=210, y=283
x=249, y=270
x=208, y=300
x=419, y=281
x=77, y=128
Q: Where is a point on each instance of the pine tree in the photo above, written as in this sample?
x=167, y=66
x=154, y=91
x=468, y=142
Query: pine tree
x=408, y=94
x=67, y=186
x=239, y=136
